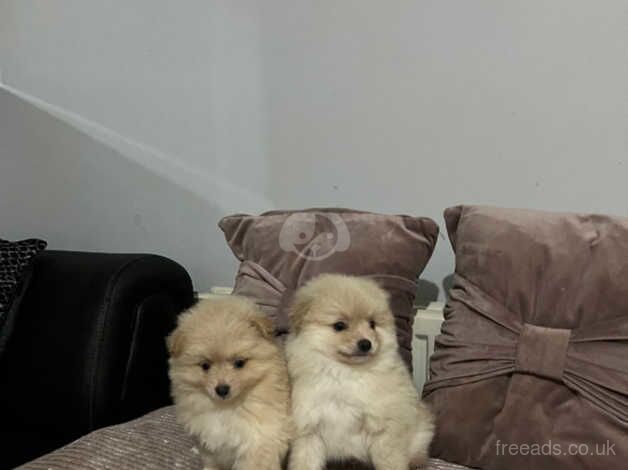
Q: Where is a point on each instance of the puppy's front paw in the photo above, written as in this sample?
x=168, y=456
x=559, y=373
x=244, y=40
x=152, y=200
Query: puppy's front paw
x=208, y=461
x=308, y=453
x=385, y=455
x=265, y=457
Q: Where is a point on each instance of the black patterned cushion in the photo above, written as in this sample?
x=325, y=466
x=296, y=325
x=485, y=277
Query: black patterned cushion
x=15, y=260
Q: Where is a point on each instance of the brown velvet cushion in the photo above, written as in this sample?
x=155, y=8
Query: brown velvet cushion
x=534, y=347
x=281, y=250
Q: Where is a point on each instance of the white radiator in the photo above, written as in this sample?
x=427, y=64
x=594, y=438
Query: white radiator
x=427, y=324
x=426, y=327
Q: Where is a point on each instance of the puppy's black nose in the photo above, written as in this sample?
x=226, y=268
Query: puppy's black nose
x=364, y=345
x=222, y=390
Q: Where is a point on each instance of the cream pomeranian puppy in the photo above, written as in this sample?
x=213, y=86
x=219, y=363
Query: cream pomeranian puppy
x=230, y=385
x=352, y=396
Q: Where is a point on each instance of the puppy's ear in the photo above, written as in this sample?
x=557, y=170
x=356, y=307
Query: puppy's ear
x=174, y=343
x=263, y=324
x=301, y=305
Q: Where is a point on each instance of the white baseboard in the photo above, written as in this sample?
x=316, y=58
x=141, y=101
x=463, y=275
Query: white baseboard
x=427, y=323
x=215, y=292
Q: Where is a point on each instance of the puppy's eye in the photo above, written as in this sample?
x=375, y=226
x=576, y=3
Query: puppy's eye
x=339, y=326
x=205, y=365
x=239, y=363
x=372, y=324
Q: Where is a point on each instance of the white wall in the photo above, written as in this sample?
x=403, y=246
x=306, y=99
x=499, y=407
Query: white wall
x=413, y=106
x=59, y=184
x=182, y=77
x=394, y=106
x=163, y=91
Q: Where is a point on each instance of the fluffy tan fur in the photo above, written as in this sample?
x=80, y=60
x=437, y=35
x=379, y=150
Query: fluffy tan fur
x=229, y=342
x=348, y=403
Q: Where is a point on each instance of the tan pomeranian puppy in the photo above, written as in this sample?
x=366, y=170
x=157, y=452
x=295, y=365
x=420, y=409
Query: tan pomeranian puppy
x=352, y=396
x=230, y=385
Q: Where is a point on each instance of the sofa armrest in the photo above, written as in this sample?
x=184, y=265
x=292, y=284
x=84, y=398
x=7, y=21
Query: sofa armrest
x=88, y=345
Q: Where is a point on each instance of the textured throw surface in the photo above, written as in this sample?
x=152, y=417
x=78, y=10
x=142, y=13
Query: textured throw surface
x=15, y=258
x=153, y=442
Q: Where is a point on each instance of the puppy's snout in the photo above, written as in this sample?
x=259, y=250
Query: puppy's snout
x=222, y=390
x=364, y=345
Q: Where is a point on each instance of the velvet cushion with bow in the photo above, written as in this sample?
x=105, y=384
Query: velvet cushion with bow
x=531, y=367
x=281, y=250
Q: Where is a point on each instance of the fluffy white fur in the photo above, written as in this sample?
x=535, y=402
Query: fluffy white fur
x=348, y=404
x=250, y=428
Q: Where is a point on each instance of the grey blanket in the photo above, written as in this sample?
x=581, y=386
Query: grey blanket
x=153, y=442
